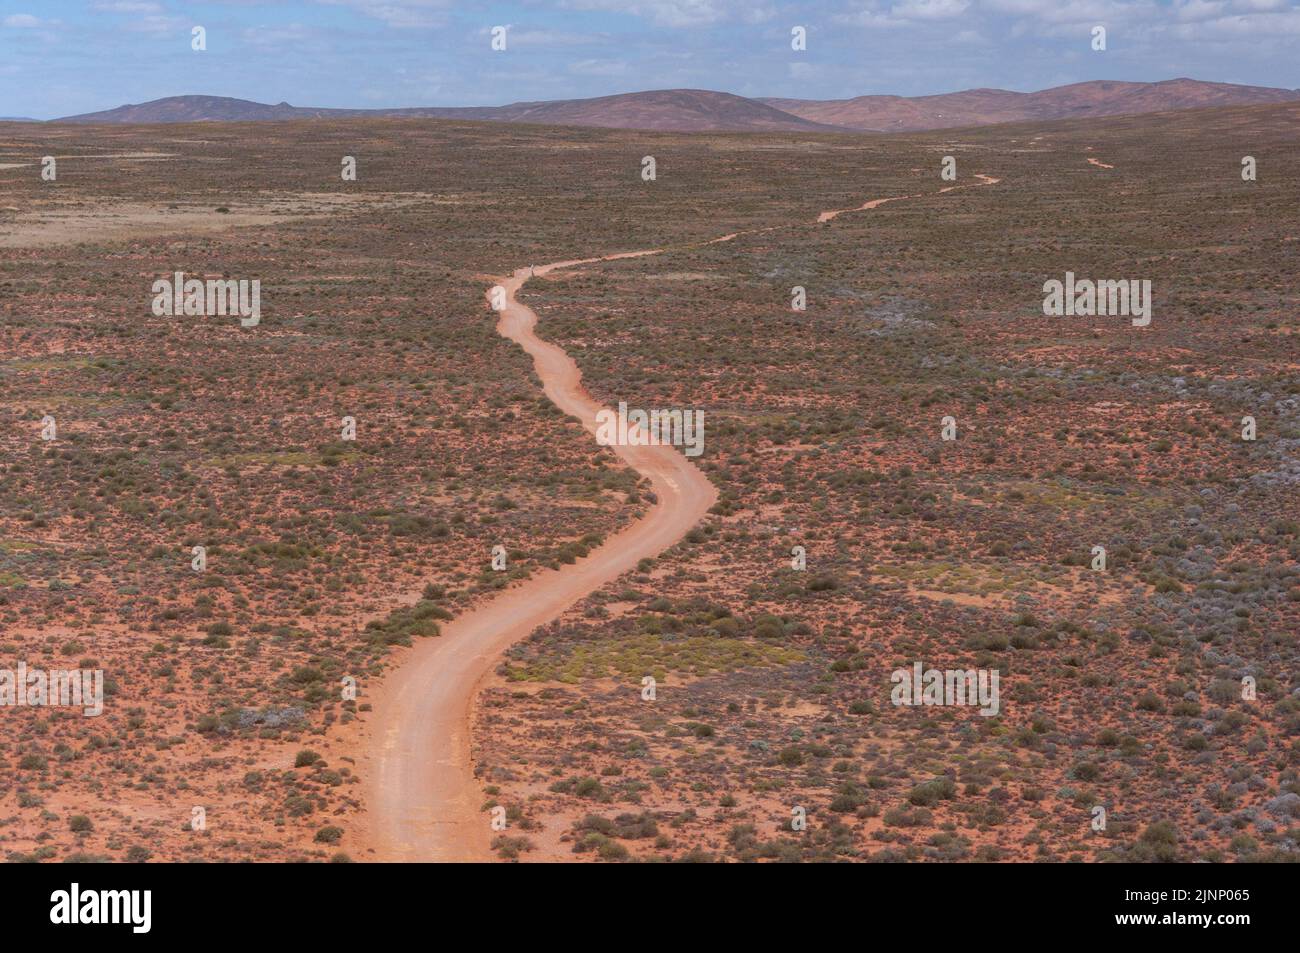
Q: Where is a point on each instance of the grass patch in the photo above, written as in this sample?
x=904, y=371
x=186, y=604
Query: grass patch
x=653, y=655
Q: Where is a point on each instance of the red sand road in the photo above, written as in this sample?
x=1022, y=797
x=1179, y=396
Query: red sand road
x=426, y=804
x=423, y=800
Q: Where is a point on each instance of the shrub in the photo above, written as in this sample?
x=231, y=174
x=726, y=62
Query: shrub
x=588, y=787
x=932, y=792
x=1150, y=701
x=1087, y=771
x=612, y=850
x=1162, y=840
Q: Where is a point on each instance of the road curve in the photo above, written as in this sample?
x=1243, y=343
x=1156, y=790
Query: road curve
x=423, y=799
x=425, y=802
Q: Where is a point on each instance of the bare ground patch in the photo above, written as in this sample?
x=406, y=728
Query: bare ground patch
x=81, y=222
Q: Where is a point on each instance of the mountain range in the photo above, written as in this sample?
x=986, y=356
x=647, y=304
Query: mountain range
x=700, y=110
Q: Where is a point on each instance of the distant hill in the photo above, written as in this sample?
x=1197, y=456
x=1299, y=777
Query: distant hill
x=981, y=107
x=675, y=110
x=199, y=109
x=17, y=119
x=702, y=110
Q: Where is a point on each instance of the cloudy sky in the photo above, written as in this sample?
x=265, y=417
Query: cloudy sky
x=59, y=57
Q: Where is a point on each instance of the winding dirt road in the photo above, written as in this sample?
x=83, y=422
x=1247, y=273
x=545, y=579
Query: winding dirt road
x=424, y=801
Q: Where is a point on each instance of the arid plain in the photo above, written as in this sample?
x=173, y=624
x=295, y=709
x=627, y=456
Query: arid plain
x=333, y=561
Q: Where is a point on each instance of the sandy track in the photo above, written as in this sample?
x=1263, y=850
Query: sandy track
x=1099, y=164
x=423, y=799
x=876, y=203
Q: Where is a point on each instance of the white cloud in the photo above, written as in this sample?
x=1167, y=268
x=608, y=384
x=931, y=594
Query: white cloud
x=280, y=35
x=159, y=23
x=598, y=68
x=406, y=14
x=870, y=15
x=21, y=21
x=1241, y=27
x=680, y=13
x=906, y=13
x=127, y=6
x=1199, y=9
x=929, y=9
x=551, y=38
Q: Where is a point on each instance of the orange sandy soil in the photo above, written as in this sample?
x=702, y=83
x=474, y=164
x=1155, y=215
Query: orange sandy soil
x=1119, y=689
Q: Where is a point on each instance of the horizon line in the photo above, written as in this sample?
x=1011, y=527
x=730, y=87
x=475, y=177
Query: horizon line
x=632, y=92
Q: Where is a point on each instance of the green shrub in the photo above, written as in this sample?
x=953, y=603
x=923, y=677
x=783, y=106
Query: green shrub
x=932, y=792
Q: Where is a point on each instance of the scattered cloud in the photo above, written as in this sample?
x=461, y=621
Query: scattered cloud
x=929, y=9
x=126, y=6
x=352, y=51
x=681, y=13
x=599, y=68
x=552, y=38
x=402, y=14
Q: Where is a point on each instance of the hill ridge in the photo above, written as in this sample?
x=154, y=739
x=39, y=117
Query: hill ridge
x=702, y=110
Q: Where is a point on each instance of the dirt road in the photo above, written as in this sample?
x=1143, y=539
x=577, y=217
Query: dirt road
x=423, y=800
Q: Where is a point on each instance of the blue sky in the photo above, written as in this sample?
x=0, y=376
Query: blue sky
x=59, y=57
